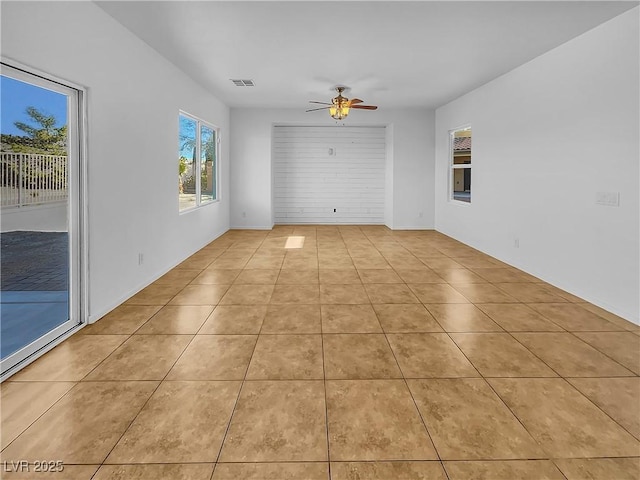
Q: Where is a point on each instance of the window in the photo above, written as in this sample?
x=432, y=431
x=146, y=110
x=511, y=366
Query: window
x=197, y=162
x=460, y=173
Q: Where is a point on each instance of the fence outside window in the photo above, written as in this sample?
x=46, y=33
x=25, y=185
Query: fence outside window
x=32, y=179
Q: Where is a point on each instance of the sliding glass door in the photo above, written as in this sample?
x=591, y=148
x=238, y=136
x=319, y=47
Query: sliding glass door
x=41, y=206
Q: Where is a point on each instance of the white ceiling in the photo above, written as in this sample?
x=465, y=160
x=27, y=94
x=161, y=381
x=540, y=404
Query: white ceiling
x=390, y=53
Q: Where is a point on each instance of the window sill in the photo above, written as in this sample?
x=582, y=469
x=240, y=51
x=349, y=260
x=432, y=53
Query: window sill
x=460, y=203
x=198, y=207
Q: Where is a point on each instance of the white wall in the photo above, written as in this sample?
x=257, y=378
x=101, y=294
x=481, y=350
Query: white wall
x=546, y=137
x=410, y=162
x=133, y=100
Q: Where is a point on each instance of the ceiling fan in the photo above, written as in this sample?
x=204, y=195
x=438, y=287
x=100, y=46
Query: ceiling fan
x=340, y=106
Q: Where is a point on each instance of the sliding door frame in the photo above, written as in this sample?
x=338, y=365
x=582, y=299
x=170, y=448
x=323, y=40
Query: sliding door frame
x=77, y=209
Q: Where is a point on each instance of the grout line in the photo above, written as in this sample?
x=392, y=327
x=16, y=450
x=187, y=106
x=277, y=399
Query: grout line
x=553, y=461
x=294, y=462
x=415, y=404
x=565, y=378
x=146, y=402
x=598, y=406
x=501, y=399
x=76, y=383
x=324, y=380
x=574, y=333
x=492, y=377
x=235, y=405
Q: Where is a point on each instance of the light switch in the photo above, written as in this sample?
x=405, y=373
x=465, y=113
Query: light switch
x=608, y=199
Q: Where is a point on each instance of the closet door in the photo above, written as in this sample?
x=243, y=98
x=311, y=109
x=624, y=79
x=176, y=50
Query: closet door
x=330, y=174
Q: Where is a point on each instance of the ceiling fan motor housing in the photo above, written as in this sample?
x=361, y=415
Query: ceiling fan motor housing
x=340, y=106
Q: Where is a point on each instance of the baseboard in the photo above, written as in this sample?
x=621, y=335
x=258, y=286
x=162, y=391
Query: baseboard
x=250, y=227
x=94, y=317
x=633, y=318
x=629, y=316
x=332, y=224
x=412, y=228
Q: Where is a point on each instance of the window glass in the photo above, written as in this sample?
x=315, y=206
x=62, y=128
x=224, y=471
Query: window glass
x=207, y=163
x=461, y=165
x=197, y=162
x=187, y=163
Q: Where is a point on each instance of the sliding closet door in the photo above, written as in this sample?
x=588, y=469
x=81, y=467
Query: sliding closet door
x=329, y=174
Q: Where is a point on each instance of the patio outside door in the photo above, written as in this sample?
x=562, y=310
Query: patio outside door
x=40, y=227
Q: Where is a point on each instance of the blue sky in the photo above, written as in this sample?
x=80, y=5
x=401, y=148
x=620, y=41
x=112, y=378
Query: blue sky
x=187, y=129
x=16, y=96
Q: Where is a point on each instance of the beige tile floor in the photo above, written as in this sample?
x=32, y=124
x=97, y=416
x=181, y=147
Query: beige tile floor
x=365, y=354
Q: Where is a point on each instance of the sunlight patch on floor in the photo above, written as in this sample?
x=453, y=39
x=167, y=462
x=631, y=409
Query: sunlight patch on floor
x=294, y=242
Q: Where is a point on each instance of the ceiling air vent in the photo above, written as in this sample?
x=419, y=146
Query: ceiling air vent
x=243, y=83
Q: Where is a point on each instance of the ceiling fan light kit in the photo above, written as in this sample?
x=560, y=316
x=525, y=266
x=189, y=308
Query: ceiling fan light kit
x=340, y=106
x=339, y=112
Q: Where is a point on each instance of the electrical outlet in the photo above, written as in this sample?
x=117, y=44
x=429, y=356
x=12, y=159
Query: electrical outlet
x=140, y=258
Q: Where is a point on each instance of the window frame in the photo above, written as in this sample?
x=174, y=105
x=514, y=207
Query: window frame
x=216, y=167
x=452, y=167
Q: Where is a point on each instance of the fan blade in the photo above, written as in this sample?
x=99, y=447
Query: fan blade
x=355, y=100
x=314, y=109
x=365, y=107
x=321, y=103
